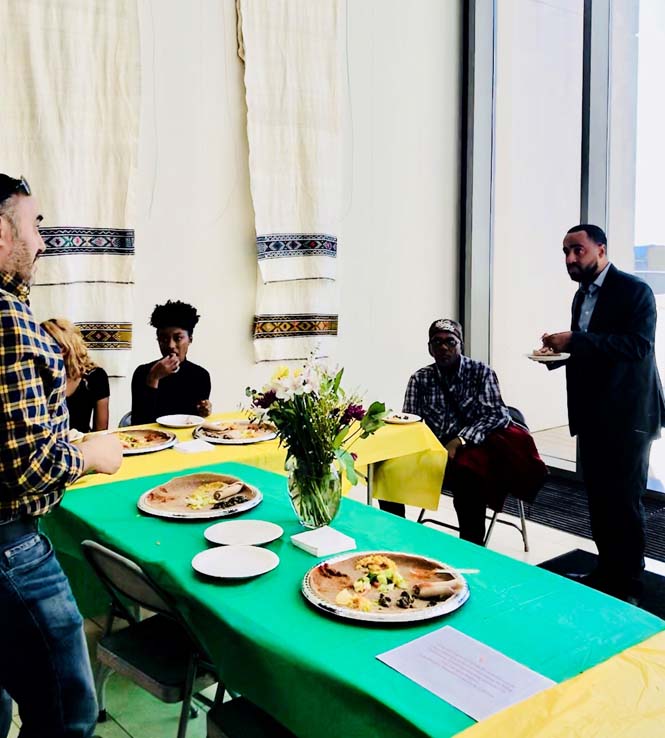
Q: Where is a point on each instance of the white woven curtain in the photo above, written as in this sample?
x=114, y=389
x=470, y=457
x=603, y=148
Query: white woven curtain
x=295, y=80
x=69, y=81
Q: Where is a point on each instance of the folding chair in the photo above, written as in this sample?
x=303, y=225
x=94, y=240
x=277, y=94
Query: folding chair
x=518, y=418
x=157, y=653
x=162, y=656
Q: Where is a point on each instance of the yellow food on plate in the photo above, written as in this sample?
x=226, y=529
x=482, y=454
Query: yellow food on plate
x=141, y=438
x=376, y=563
x=129, y=441
x=209, y=493
x=346, y=598
x=382, y=573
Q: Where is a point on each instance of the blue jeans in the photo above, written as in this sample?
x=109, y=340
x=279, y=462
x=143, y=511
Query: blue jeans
x=44, y=663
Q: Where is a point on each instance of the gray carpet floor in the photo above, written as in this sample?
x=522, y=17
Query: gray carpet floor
x=562, y=504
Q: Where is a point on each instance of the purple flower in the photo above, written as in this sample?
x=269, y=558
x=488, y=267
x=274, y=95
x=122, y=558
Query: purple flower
x=353, y=412
x=265, y=400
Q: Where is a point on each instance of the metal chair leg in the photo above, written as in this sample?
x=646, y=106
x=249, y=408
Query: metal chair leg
x=491, y=528
x=187, y=697
x=521, y=528
x=101, y=677
x=520, y=505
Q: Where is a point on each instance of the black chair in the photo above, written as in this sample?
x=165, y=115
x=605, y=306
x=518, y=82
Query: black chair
x=242, y=719
x=518, y=419
x=158, y=653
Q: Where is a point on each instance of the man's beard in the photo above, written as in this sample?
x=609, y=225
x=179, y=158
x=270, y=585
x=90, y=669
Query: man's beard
x=447, y=364
x=583, y=274
x=20, y=262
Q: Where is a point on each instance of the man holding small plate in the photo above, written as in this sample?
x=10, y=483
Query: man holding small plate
x=615, y=403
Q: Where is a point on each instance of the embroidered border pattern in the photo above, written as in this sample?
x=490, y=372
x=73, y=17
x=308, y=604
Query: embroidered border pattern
x=107, y=336
x=63, y=241
x=280, y=245
x=291, y=326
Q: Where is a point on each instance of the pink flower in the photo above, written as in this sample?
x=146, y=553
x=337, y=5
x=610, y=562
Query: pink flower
x=266, y=399
x=353, y=412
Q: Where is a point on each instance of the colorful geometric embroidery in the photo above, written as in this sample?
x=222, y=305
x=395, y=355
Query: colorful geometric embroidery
x=62, y=241
x=289, y=326
x=106, y=336
x=280, y=245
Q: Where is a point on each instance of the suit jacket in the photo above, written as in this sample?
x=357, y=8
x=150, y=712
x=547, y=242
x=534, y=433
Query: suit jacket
x=612, y=380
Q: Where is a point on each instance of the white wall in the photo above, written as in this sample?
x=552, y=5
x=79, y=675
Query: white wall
x=194, y=220
x=537, y=186
x=623, y=140
x=650, y=224
x=399, y=241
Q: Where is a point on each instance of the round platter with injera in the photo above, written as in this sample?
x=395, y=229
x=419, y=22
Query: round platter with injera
x=201, y=496
x=385, y=587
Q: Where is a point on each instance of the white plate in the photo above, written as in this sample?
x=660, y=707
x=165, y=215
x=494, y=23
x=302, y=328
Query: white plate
x=144, y=505
x=403, y=418
x=169, y=440
x=75, y=435
x=243, y=532
x=374, y=616
x=200, y=432
x=235, y=562
x=180, y=421
x=546, y=359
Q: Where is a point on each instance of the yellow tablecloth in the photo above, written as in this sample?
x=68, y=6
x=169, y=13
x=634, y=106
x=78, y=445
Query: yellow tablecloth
x=624, y=697
x=409, y=462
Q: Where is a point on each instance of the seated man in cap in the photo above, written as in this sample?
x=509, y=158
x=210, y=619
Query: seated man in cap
x=488, y=454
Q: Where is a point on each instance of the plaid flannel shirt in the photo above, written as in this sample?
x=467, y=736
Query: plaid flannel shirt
x=468, y=404
x=36, y=461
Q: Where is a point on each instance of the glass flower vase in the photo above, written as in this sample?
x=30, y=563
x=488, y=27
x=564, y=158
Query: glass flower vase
x=315, y=498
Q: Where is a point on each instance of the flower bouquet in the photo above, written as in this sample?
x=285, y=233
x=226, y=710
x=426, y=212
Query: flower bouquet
x=317, y=422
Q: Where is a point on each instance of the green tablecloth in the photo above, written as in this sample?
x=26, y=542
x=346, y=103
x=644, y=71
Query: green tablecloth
x=319, y=675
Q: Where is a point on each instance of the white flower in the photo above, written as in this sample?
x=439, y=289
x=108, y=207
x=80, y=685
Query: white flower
x=283, y=392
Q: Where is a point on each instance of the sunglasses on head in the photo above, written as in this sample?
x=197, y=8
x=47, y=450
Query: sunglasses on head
x=14, y=186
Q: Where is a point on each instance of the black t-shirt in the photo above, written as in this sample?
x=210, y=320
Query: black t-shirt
x=176, y=393
x=94, y=386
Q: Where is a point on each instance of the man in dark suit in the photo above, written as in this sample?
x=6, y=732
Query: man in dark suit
x=615, y=403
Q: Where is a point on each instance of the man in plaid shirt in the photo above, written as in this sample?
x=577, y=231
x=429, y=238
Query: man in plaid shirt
x=44, y=664
x=488, y=455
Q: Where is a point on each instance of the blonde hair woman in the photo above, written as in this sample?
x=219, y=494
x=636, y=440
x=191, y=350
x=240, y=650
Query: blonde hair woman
x=87, y=384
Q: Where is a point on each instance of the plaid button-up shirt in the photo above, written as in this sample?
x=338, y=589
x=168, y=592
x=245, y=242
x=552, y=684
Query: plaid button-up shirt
x=466, y=404
x=36, y=461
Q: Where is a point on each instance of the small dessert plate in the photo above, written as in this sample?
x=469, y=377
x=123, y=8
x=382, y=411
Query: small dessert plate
x=235, y=562
x=243, y=532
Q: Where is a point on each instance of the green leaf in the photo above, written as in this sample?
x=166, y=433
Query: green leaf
x=338, y=380
x=377, y=409
x=346, y=460
x=339, y=438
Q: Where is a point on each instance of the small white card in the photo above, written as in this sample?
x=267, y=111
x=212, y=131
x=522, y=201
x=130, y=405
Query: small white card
x=194, y=446
x=469, y=675
x=323, y=541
